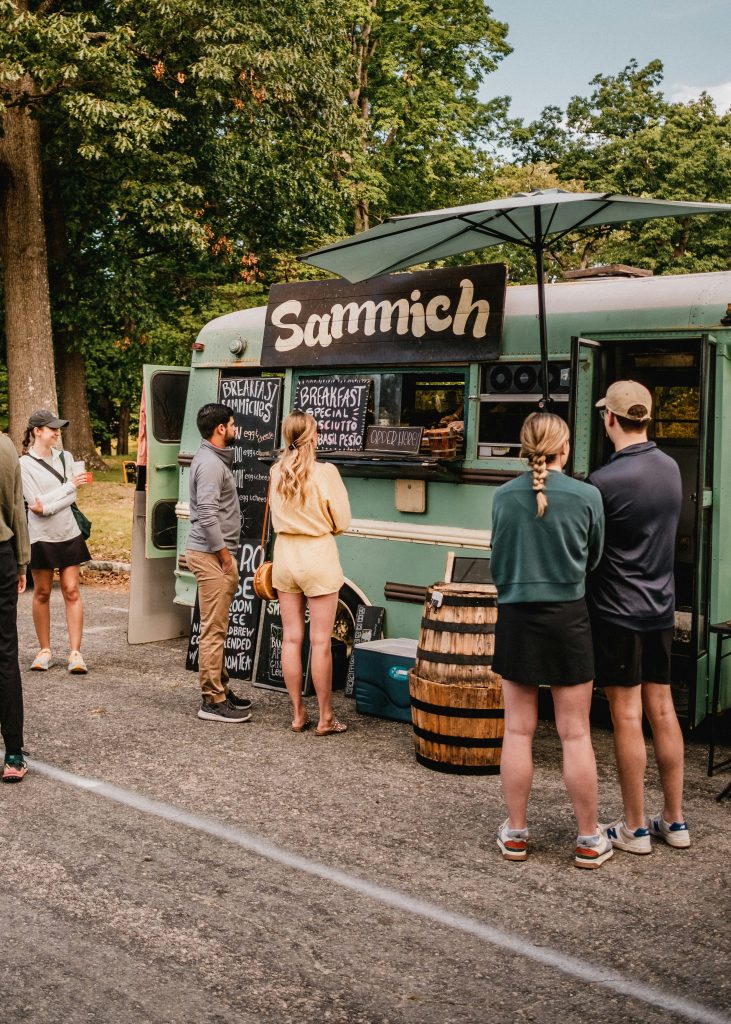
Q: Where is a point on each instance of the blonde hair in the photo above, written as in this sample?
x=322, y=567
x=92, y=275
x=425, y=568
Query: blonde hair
x=299, y=433
x=542, y=437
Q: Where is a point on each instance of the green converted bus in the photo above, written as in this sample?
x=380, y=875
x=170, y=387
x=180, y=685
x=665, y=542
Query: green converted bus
x=448, y=346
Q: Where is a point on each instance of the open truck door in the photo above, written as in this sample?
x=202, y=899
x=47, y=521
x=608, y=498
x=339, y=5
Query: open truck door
x=594, y=364
x=153, y=615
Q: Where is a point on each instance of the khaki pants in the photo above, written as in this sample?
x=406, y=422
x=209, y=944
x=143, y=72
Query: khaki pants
x=216, y=589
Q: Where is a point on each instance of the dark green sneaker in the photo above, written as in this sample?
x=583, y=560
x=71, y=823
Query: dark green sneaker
x=15, y=768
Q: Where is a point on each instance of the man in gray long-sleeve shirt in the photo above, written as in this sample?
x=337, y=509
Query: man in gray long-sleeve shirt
x=215, y=519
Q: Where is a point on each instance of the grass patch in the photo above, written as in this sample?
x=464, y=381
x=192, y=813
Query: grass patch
x=108, y=502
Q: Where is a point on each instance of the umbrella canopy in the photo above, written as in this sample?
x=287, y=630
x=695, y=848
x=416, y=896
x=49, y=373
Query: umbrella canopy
x=528, y=219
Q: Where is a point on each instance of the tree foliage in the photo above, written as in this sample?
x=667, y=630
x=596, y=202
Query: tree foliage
x=626, y=138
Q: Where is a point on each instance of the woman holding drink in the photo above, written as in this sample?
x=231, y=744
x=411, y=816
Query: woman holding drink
x=50, y=479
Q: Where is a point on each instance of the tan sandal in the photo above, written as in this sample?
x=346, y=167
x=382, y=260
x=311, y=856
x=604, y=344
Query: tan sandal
x=302, y=728
x=332, y=730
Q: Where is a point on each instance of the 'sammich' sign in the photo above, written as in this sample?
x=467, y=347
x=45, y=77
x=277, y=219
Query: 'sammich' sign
x=451, y=315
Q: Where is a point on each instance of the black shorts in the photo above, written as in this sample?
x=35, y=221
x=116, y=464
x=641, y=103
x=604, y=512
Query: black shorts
x=626, y=657
x=544, y=644
x=45, y=554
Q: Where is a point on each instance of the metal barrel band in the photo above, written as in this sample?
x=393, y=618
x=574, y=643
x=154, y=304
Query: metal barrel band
x=457, y=741
x=439, y=626
x=453, y=659
x=440, y=709
x=464, y=602
x=458, y=769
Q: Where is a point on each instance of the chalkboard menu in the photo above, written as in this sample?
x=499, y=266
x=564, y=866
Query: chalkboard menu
x=339, y=405
x=255, y=402
x=256, y=405
x=394, y=439
x=269, y=672
x=368, y=626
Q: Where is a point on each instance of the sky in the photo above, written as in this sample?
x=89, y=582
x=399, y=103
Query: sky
x=560, y=45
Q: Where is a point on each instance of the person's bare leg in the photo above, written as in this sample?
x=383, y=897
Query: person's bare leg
x=322, y=620
x=667, y=739
x=74, y=605
x=42, y=586
x=571, y=705
x=292, y=610
x=516, y=760
x=625, y=703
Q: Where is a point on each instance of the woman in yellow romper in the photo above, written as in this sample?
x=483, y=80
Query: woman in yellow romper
x=309, y=507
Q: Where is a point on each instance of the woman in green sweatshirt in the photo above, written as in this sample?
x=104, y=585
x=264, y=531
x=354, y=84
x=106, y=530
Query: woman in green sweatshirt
x=547, y=533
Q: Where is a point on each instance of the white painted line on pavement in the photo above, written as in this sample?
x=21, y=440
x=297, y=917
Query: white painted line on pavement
x=99, y=629
x=572, y=966
x=115, y=608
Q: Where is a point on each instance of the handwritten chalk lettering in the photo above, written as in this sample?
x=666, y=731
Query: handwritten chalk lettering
x=450, y=314
x=339, y=406
x=393, y=439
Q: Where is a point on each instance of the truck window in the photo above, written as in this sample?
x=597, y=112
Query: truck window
x=168, y=392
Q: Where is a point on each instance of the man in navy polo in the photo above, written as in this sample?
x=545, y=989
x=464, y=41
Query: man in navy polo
x=632, y=605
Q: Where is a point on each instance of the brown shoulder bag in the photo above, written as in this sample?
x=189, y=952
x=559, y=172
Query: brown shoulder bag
x=263, y=576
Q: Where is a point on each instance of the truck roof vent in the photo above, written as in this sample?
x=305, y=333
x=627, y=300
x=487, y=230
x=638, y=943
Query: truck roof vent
x=608, y=270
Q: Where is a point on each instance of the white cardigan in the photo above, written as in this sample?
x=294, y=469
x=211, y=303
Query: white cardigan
x=57, y=523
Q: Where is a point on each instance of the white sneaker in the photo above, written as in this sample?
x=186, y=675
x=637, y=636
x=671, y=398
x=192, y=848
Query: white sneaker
x=623, y=838
x=513, y=842
x=674, y=833
x=42, y=661
x=592, y=851
x=77, y=665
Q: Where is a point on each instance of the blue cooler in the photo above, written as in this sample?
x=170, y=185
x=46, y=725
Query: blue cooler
x=382, y=678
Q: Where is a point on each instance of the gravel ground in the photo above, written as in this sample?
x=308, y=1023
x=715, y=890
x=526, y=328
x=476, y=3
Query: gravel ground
x=111, y=914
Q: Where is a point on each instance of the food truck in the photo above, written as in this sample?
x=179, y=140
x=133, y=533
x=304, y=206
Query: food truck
x=420, y=382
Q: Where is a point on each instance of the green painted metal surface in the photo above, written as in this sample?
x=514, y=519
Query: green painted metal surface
x=612, y=310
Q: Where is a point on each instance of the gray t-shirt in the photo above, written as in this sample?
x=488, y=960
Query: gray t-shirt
x=634, y=584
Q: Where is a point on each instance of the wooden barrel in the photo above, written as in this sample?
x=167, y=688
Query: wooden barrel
x=442, y=442
x=458, y=728
x=456, y=698
x=457, y=638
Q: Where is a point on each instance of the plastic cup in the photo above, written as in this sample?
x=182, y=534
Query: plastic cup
x=78, y=467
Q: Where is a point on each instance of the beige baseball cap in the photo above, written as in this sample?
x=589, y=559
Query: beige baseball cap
x=629, y=399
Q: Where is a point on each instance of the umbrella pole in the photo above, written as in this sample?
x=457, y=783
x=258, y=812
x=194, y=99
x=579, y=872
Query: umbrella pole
x=546, y=401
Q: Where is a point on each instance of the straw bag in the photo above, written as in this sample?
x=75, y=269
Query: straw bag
x=263, y=576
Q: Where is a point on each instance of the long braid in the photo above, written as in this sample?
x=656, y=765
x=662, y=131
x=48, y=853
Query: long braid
x=542, y=437
x=540, y=471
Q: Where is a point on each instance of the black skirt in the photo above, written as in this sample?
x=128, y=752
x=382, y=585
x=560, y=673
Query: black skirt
x=544, y=644
x=46, y=554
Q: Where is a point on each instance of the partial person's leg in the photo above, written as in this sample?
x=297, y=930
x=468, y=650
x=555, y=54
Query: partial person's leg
x=516, y=761
x=11, y=692
x=74, y=607
x=667, y=739
x=322, y=620
x=625, y=703
x=42, y=586
x=215, y=590
x=571, y=705
x=292, y=610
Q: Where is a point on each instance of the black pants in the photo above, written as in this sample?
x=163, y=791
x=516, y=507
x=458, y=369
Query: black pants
x=11, y=690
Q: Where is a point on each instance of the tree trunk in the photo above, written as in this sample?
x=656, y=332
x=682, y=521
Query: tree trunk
x=31, y=374
x=123, y=430
x=74, y=406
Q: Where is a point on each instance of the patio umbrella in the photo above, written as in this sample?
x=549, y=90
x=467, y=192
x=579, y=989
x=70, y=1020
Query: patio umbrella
x=528, y=219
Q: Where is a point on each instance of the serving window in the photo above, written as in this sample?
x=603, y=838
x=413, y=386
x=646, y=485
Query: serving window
x=416, y=399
